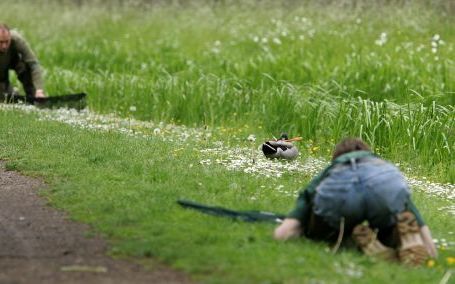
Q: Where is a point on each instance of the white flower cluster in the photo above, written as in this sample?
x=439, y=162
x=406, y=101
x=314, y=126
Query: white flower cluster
x=110, y=122
x=281, y=31
x=382, y=39
x=235, y=159
x=446, y=191
x=243, y=159
x=436, y=41
x=443, y=243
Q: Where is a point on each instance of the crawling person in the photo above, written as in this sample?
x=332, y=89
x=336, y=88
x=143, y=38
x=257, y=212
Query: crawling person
x=16, y=54
x=366, y=198
x=282, y=148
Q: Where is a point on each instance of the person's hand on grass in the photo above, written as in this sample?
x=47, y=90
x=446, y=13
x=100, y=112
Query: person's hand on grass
x=40, y=94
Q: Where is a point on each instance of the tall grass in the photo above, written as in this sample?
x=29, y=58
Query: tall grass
x=313, y=46
x=386, y=74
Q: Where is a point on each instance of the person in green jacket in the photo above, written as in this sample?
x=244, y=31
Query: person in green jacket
x=16, y=54
x=361, y=195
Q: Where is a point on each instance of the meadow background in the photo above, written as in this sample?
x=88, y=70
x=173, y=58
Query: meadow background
x=323, y=70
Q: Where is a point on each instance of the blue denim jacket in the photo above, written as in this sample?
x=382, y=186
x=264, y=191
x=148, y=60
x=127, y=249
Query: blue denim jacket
x=357, y=186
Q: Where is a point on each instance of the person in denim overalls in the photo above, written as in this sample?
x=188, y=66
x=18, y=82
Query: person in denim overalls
x=361, y=195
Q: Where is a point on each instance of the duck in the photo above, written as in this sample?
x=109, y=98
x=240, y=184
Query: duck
x=283, y=148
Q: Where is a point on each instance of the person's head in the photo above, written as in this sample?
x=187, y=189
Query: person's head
x=5, y=38
x=349, y=145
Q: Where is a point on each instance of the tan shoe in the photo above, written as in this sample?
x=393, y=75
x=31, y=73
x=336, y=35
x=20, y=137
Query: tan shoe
x=412, y=250
x=366, y=240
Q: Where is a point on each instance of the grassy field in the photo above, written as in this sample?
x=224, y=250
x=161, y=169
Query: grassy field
x=126, y=188
x=384, y=73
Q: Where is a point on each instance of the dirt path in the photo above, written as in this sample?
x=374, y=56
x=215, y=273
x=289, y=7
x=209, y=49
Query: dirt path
x=39, y=244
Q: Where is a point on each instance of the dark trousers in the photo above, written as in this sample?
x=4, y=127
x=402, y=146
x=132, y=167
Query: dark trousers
x=24, y=75
x=319, y=230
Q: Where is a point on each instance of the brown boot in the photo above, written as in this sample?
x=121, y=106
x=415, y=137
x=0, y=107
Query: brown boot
x=366, y=240
x=412, y=250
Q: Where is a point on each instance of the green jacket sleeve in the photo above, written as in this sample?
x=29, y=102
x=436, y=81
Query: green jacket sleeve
x=30, y=59
x=305, y=199
x=303, y=206
x=411, y=207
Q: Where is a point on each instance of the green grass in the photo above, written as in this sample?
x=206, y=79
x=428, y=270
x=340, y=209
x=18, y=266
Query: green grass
x=299, y=69
x=126, y=189
x=316, y=71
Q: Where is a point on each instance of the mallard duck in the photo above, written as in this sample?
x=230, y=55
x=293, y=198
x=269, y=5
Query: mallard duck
x=280, y=149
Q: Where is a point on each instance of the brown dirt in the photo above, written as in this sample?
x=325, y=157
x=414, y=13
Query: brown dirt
x=38, y=244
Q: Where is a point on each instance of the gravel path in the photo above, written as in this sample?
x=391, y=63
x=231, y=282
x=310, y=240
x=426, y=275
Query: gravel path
x=39, y=244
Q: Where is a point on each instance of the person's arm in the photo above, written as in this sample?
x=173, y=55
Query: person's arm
x=29, y=57
x=428, y=241
x=424, y=230
x=289, y=229
x=292, y=226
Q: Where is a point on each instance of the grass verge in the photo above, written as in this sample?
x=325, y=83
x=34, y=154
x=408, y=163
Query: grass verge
x=126, y=187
